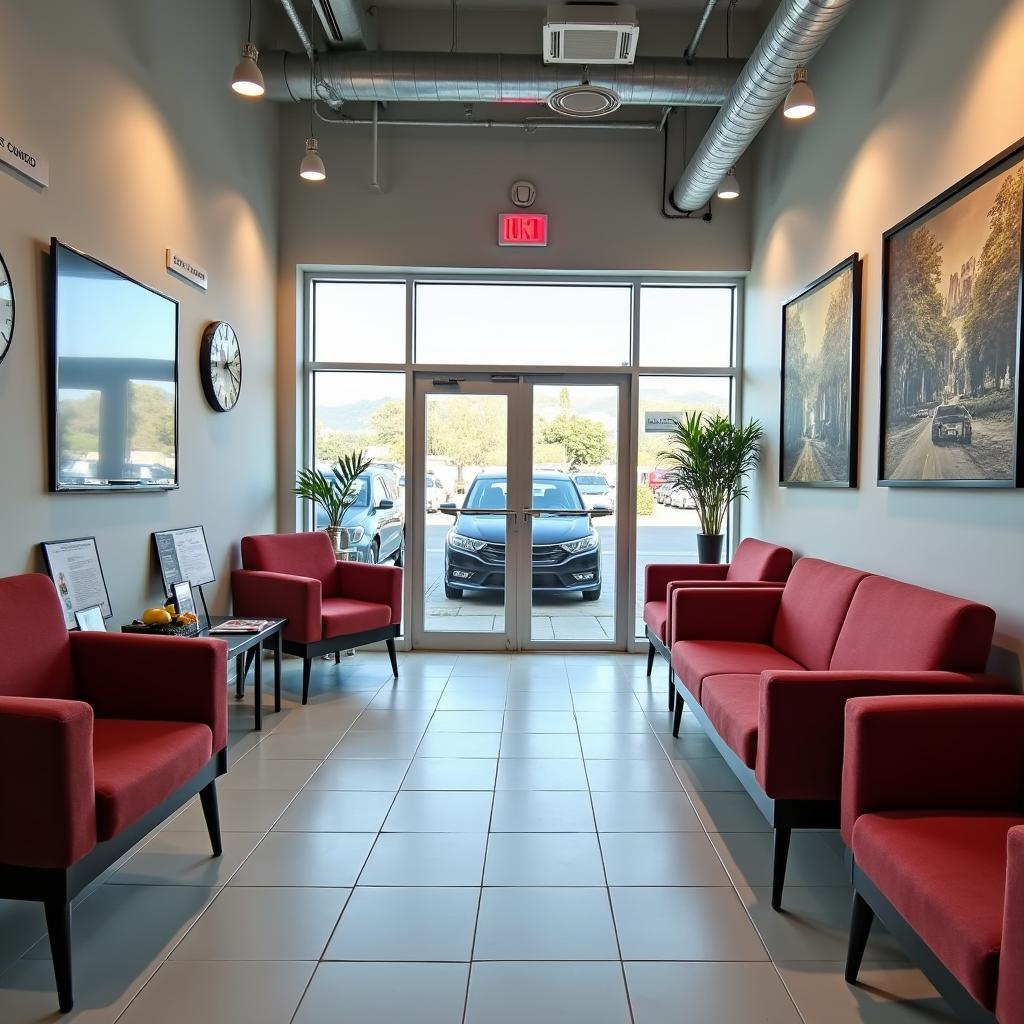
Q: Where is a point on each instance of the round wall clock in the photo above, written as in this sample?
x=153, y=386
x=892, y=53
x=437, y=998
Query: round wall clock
x=6, y=309
x=220, y=365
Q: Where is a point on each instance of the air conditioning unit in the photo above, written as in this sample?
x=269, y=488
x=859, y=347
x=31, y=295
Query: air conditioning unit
x=590, y=34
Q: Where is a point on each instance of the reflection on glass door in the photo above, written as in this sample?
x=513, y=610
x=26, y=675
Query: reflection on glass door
x=464, y=515
x=575, y=474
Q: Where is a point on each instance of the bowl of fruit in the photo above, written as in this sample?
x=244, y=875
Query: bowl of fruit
x=165, y=621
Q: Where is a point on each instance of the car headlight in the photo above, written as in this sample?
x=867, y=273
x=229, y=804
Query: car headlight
x=588, y=543
x=355, y=534
x=456, y=540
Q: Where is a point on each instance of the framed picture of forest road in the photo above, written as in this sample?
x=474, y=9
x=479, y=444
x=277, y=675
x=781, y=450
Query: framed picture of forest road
x=951, y=335
x=820, y=381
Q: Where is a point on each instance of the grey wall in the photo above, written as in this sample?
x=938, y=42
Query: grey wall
x=148, y=149
x=443, y=188
x=912, y=96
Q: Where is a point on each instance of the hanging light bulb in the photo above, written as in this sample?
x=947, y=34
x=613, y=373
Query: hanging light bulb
x=800, y=99
x=730, y=186
x=247, y=79
x=312, y=166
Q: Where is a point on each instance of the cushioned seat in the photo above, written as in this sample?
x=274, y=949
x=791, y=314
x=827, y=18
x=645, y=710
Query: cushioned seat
x=341, y=615
x=695, y=660
x=915, y=857
x=731, y=704
x=138, y=764
x=655, y=614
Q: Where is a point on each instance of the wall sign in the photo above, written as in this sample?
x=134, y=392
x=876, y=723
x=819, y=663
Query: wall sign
x=25, y=160
x=522, y=229
x=660, y=422
x=191, y=272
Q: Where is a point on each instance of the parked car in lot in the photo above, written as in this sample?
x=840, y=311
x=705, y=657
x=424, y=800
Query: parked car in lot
x=681, y=498
x=951, y=423
x=663, y=495
x=595, y=490
x=376, y=519
x=566, y=548
x=434, y=492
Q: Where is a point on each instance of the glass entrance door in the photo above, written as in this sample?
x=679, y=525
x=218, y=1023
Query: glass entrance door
x=514, y=486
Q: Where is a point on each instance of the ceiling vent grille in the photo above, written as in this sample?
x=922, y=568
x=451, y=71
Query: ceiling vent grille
x=590, y=34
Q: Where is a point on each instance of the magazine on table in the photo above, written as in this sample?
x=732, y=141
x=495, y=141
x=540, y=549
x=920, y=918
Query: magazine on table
x=241, y=626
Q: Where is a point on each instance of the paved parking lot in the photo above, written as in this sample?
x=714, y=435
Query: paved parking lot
x=667, y=535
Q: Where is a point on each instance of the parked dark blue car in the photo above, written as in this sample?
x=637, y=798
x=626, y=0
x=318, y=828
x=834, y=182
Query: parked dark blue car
x=566, y=548
x=376, y=519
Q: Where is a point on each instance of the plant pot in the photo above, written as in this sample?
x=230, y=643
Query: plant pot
x=709, y=547
x=339, y=538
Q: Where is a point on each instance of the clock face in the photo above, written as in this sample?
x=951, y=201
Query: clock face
x=6, y=309
x=220, y=363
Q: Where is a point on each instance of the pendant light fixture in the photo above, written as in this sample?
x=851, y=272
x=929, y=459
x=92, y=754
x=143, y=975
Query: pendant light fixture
x=800, y=99
x=312, y=166
x=247, y=79
x=730, y=186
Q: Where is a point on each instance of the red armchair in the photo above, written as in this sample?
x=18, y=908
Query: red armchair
x=933, y=812
x=330, y=606
x=767, y=674
x=755, y=563
x=102, y=736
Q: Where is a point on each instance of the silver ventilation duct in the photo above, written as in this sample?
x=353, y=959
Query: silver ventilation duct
x=375, y=76
x=795, y=34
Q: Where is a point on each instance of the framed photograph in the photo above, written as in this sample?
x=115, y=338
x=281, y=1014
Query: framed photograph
x=951, y=335
x=90, y=620
x=74, y=566
x=820, y=407
x=183, y=599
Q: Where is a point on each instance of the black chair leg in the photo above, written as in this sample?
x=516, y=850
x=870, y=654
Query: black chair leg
x=782, y=834
x=208, y=798
x=677, y=713
x=307, y=668
x=58, y=926
x=861, y=920
x=337, y=657
x=392, y=655
x=650, y=657
x=672, y=695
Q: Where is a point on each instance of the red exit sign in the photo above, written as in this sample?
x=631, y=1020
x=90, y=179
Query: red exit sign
x=522, y=229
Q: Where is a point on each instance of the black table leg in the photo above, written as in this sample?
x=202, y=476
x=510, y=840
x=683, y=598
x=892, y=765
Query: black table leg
x=278, y=642
x=258, y=685
x=239, y=676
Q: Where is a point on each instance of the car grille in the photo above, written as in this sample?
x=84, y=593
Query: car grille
x=543, y=554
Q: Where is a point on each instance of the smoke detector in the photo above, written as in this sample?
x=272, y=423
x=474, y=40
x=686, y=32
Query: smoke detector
x=590, y=34
x=584, y=101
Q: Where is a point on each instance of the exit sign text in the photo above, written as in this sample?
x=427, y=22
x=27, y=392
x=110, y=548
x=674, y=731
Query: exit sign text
x=522, y=229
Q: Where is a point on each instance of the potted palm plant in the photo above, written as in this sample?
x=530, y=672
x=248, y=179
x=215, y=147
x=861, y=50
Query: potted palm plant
x=711, y=458
x=335, y=494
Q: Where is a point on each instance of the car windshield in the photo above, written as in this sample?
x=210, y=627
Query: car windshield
x=360, y=489
x=591, y=481
x=554, y=494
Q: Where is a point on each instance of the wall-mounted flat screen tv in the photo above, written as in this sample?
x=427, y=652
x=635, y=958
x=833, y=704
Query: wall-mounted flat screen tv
x=114, y=365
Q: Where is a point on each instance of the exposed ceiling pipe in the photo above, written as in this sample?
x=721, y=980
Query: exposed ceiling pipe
x=529, y=125
x=490, y=78
x=691, y=50
x=300, y=29
x=794, y=35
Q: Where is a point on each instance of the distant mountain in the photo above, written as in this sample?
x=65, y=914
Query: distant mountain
x=354, y=416
x=961, y=286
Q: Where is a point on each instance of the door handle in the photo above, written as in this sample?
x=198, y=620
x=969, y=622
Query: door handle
x=535, y=512
x=486, y=512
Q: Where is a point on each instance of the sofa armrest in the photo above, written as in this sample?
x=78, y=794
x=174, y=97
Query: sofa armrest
x=381, y=584
x=897, y=754
x=723, y=613
x=675, y=585
x=801, y=714
x=277, y=595
x=47, y=787
x=155, y=678
x=1010, y=990
x=657, y=576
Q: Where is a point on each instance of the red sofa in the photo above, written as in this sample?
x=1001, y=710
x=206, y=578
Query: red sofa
x=330, y=606
x=768, y=672
x=933, y=812
x=102, y=736
x=754, y=563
